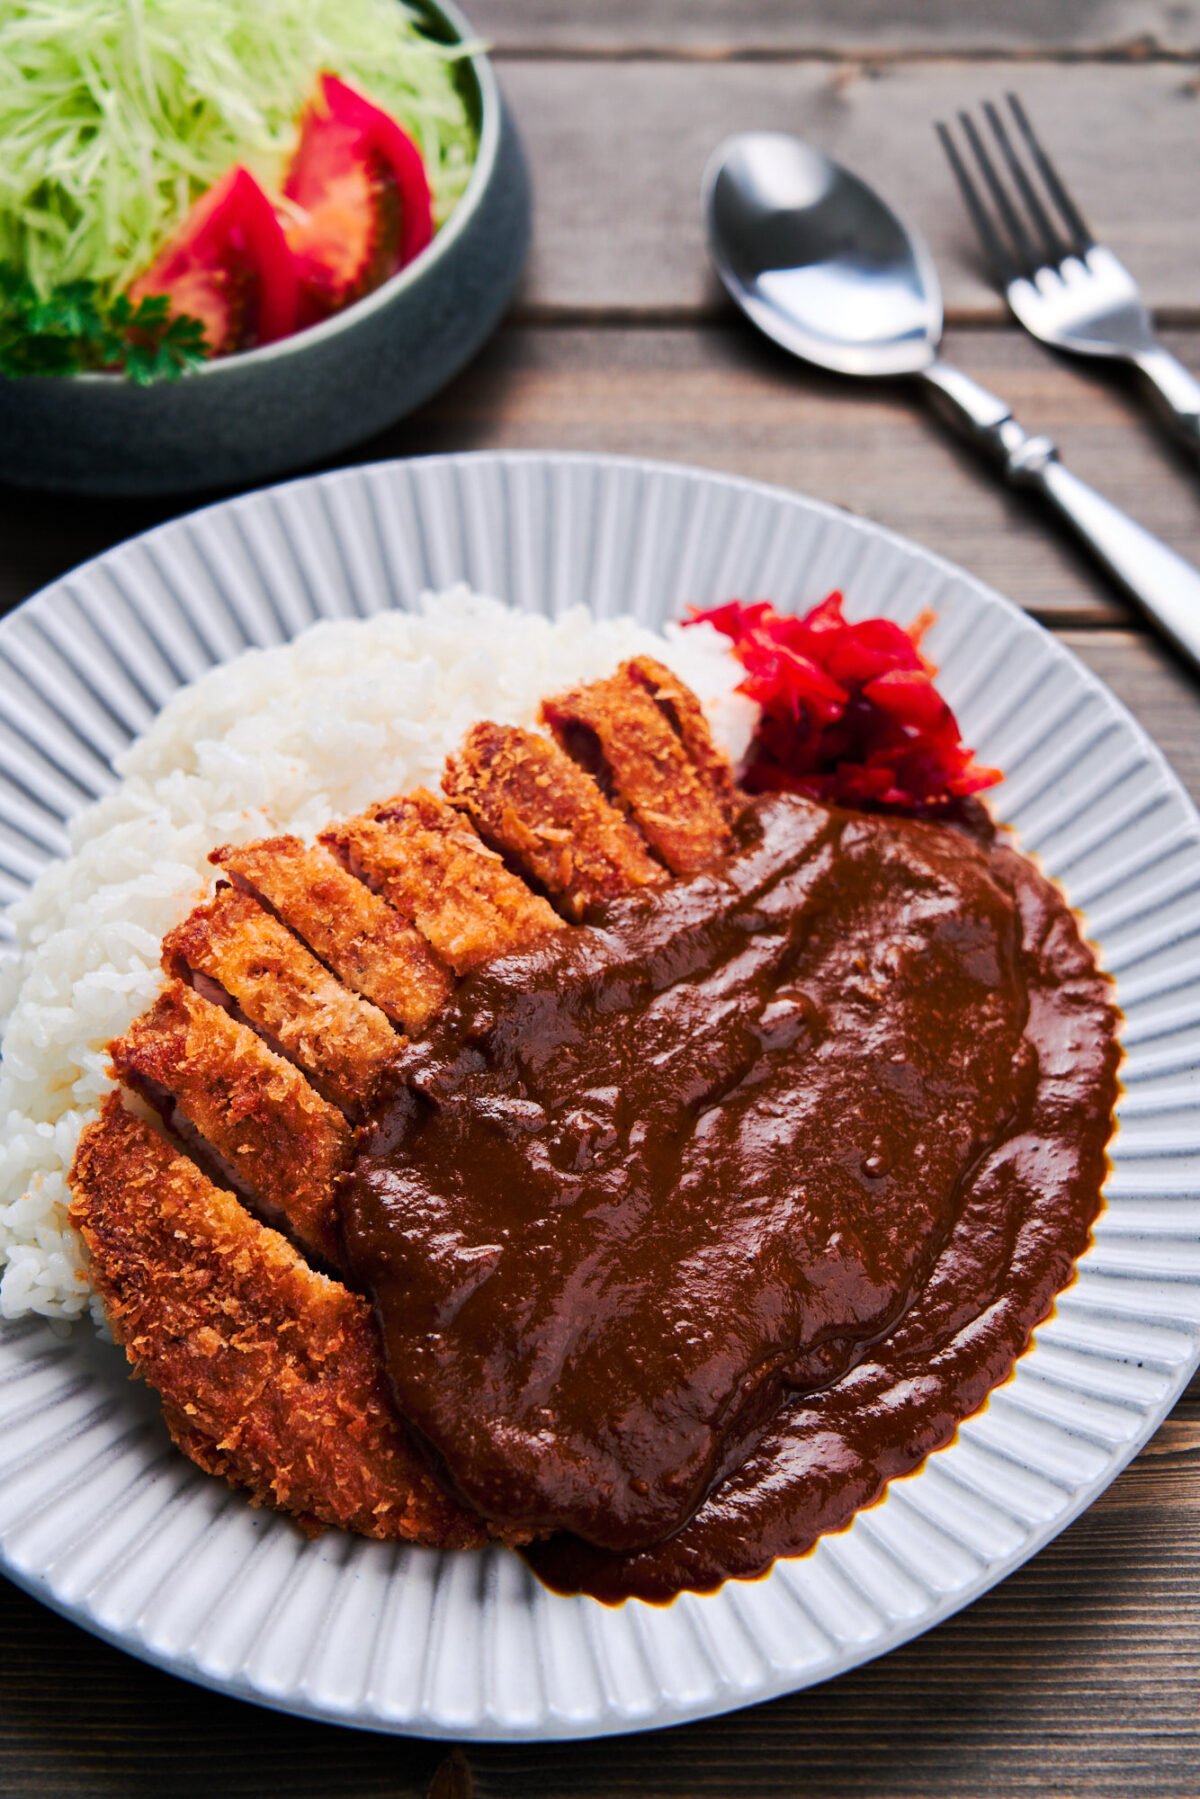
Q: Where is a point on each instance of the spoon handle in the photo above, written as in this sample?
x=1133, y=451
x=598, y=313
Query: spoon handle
x=1165, y=586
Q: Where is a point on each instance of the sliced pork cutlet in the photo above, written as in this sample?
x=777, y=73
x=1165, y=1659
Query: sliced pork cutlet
x=232, y=948
x=355, y=933
x=425, y=859
x=617, y=731
x=248, y=1113
x=685, y=715
x=270, y=1374
x=547, y=818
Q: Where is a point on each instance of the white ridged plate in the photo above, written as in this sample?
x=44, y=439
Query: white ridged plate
x=102, y=1519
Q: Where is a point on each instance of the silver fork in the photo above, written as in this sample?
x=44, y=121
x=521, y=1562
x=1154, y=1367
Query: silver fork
x=1066, y=289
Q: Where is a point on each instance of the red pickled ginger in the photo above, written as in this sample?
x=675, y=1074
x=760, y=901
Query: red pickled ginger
x=849, y=712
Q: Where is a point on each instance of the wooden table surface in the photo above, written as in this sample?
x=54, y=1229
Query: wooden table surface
x=1081, y=1674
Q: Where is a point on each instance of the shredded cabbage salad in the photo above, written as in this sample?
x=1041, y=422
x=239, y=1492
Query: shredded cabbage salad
x=116, y=114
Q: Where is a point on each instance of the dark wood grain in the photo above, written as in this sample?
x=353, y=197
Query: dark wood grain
x=1079, y=1676
x=712, y=28
x=80, y=1720
x=618, y=150
x=720, y=398
x=725, y=400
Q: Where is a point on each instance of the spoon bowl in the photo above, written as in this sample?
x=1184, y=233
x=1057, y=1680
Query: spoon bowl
x=824, y=267
x=817, y=260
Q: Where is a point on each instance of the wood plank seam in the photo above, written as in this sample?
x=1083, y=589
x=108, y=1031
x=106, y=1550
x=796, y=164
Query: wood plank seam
x=1139, y=52
x=555, y=315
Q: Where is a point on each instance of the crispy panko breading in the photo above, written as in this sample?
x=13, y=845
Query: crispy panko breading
x=342, y=1042
x=282, y=1143
x=685, y=715
x=270, y=1375
x=548, y=819
x=355, y=933
x=427, y=861
x=617, y=731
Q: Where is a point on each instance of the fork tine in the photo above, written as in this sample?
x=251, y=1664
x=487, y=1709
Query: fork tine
x=1082, y=239
x=1053, y=249
x=995, y=249
x=1026, y=256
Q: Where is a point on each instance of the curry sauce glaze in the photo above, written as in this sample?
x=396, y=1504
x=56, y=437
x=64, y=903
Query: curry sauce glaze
x=690, y=1229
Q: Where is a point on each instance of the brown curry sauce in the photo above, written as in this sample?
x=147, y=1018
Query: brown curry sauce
x=691, y=1228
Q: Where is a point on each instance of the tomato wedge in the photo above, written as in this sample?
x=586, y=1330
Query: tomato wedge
x=357, y=201
x=229, y=266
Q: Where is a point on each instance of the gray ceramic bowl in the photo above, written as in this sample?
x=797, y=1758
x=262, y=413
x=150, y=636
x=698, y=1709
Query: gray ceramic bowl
x=248, y=416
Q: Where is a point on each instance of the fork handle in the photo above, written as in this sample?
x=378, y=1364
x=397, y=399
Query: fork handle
x=1176, y=390
x=1165, y=586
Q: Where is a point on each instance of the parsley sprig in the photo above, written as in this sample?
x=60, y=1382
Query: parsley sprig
x=75, y=327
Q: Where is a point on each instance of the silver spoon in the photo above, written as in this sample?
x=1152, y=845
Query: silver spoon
x=821, y=265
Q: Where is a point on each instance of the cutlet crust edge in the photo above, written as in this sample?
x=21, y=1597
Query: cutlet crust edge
x=270, y=1374
x=535, y=806
x=358, y=936
x=618, y=725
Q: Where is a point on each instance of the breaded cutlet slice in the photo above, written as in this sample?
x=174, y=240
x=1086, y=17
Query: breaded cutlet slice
x=270, y=1375
x=426, y=860
x=215, y=1081
x=355, y=933
x=685, y=715
x=615, y=730
x=548, y=819
x=342, y=1042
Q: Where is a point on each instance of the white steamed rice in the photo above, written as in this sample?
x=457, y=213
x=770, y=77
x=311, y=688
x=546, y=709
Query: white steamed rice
x=277, y=740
